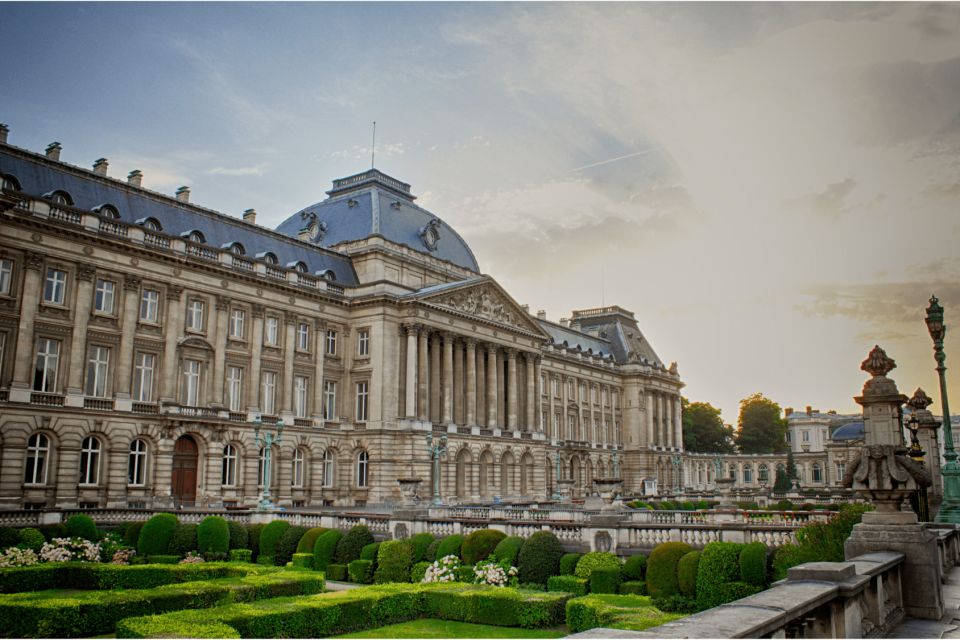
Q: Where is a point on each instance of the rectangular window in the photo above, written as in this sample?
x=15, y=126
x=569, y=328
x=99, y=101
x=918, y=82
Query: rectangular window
x=300, y=386
x=556, y=387
x=556, y=426
x=149, y=305
x=234, y=388
x=98, y=360
x=269, y=392
x=363, y=394
x=195, y=315
x=143, y=377
x=363, y=342
x=806, y=436
x=841, y=469
x=45, y=372
x=6, y=276
x=570, y=390
x=55, y=289
x=103, y=297
x=303, y=336
x=238, y=318
x=271, y=332
x=190, y=394
x=329, y=400
x=331, y=342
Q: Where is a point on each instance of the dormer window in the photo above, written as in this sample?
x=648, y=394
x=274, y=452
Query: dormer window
x=151, y=224
x=10, y=183
x=59, y=197
x=268, y=257
x=299, y=266
x=235, y=248
x=194, y=236
x=107, y=211
x=328, y=275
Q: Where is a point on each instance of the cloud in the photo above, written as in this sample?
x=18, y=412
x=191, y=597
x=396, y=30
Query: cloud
x=879, y=305
x=237, y=171
x=357, y=152
x=829, y=203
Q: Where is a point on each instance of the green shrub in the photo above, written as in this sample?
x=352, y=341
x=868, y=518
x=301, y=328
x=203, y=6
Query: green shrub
x=82, y=526
x=539, y=557
x=748, y=506
x=309, y=539
x=418, y=570
x=369, y=552
x=132, y=535
x=432, y=550
x=241, y=555
x=32, y=539
x=703, y=505
x=302, y=560
x=394, y=560
x=508, y=549
x=677, y=604
x=450, y=546
x=687, y=505
x=421, y=542
x=253, y=539
x=568, y=563
x=287, y=545
x=633, y=588
x=614, y=611
x=480, y=544
x=270, y=538
x=9, y=537
x=324, y=548
x=633, y=568
x=360, y=571
x=667, y=505
x=569, y=584
x=184, y=539
x=264, y=560
x=213, y=535
x=239, y=538
x=719, y=564
x=735, y=590
x=350, y=545
x=154, y=537
x=465, y=573
x=597, y=560
x=662, y=568
x=605, y=580
x=819, y=542
x=687, y=574
x=790, y=555
x=163, y=559
x=492, y=605
x=753, y=564
x=336, y=572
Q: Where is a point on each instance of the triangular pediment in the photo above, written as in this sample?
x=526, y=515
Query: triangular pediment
x=484, y=299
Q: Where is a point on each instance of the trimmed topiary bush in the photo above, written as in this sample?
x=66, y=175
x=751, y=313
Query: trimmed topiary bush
x=634, y=567
x=568, y=563
x=154, y=538
x=239, y=538
x=539, y=558
x=59, y=530
x=687, y=574
x=369, y=552
x=163, y=559
x=450, y=546
x=302, y=560
x=253, y=539
x=753, y=564
x=241, y=555
x=336, y=572
x=418, y=570
x=9, y=537
x=82, y=526
x=719, y=564
x=184, y=540
x=596, y=560
x=287, y=546
x=421, y=542
x=480, y=544
x=32, y=539
x=309, y=539
x=324, y=549
x=432, y=550
x=130, y=536
x=350, y=545
x=394, y=561
x=633, y=588
x=360, y=571
x=213, y=535
x=465, y=573
x=508, y=549
x=605, y=580
x=269, y=538
x=662, y=568
x=569, y=584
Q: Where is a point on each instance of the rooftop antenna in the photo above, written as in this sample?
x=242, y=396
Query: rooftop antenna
x=373, y=146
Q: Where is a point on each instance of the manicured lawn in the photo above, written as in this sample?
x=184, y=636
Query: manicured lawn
x=430, y=628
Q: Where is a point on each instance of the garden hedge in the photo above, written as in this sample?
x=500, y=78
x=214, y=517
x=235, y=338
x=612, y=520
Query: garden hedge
x=360, y=571
x=32, y=539
x=753, y=564
x=634, y=568
x=324, y=548
x=568, y=563
x=287, y=545
x=633, y=588
x=418, y=570
x=351, y=544
x=662, y=568
x=163, y=559
x=96, y=575
x=394, y=561
x=253, y=539
x=369, y=552
x=539, y=558
x=336, y=572
x=569, y=584
x=9, y=537
x=613, y=611
x=213, y=535
x=450, y=546
x=596, y=560
x=309, y=539
x=605, y=580
x=59, y=530
x=481, y=604
x=154, y=537
x=239, y=537
x=421, y=542
x=432, y=550
x=480, y=544
x=508, y=549
x=184, y=539
x=687, y=574
x=82, y=526
x=241, y=555
x=131, y=535
x=464, y=573
x=719, y=564
x=302, y=560
x=269, y=539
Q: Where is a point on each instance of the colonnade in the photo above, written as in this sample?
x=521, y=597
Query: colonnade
x=453, y=379
x=664, y=422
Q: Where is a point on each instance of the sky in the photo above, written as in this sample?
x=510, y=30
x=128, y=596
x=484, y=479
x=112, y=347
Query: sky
x=771, y=188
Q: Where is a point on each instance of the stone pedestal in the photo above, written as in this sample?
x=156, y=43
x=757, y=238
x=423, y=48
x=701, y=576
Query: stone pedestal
x=408, y=489
x=725, y=487
x=565, y=489
x=609, y=489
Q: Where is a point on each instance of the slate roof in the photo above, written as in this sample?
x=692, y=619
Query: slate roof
x=849, y=431
x=573, y=339
x=374, y=206
x=37, y=176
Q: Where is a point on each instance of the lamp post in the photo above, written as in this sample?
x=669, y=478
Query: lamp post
x=950, y=507
x=437, y=451
x=918, y=501
x=677, y=461
x=267, y=440
x=556, y=489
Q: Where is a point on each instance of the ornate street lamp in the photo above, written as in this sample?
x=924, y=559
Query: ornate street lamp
x=266, y=441
x=919, y=498
x=437, y=451
x=950, y=507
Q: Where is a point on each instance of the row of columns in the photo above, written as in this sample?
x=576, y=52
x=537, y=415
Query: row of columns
x=587, y=406
x=452, y=379
x=664, y=420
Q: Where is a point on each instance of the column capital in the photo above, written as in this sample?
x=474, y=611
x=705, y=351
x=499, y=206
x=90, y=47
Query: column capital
x=411, y=328
x=85, y=271
x=131, y=282
x=223, y=303
x=174, y=292
x=471, y=343
x=319, y=324
x=290, y=317
x=257, y=310
x=511, y=353
x=33, y=260
x=449, y=336
x=491, y=348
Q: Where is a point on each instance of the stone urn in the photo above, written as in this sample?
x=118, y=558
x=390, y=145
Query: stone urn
x=565, y=489
x=609, y=489
x=725, y=486
x=408, y=489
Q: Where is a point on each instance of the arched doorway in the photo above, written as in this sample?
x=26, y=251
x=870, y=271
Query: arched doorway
x=506, y=474
x=183, y=485
x=575, y=476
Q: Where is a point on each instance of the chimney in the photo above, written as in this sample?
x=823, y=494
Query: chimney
x=135, y=177
x=525, y=307
x=183, y=194
x=564, y=322
x=541, y=314
x=53, y=151
x=4, y=130
x=809, y=410
x=100, y=167
x=788, y=412
x=250, y=215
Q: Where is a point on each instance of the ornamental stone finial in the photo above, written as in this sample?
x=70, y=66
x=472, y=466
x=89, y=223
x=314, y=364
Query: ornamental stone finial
x=920, y=400
x=878, y=363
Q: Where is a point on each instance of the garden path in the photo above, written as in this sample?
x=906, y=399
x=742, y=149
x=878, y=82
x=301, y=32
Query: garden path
x=948, y=626
x=340, y=586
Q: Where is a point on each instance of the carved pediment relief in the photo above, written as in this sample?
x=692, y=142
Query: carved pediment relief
x=488, y=302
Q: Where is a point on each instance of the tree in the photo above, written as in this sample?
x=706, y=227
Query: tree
x=703, y=429
x=761, y=429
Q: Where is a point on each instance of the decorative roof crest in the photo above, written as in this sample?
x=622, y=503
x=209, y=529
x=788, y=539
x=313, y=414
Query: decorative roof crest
x=920, y=400
x=878, y=364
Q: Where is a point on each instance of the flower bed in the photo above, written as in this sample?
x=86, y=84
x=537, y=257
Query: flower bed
x=88, y=575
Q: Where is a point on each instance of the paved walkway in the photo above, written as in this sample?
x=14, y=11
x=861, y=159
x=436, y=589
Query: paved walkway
x=948, y=626
x=340, y=586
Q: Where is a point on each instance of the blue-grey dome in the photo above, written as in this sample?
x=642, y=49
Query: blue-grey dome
x=849, y=431
x=372, y=203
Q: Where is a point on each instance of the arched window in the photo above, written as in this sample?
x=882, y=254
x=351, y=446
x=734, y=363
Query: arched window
x=328, y=275
x=38, y=448
x=733, y=472
x=747, y=474
x=194, y=236
x=261, y=466
x=107, y=211
x=817, y=472
x=137, y=463
x=297, y=480
x=235, y=248
x=328, y=468
x=59, y=197
x=268, y=257
x=299, y=265
x=89, y=460
x=151, y=224
x=363, y=469
x=763, y=474
x=10, y=183
x=228, y=476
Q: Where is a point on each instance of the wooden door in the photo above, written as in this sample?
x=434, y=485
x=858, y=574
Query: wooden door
x=184, y=477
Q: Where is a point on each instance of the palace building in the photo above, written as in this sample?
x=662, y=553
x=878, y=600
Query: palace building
x=142, y=337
